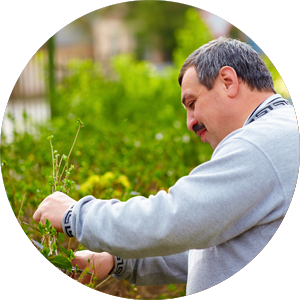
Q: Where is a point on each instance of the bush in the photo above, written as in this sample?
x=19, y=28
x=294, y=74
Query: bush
x=134, y=141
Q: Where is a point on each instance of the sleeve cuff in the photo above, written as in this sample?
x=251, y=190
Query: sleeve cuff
x=119, y=266
x=66, y=222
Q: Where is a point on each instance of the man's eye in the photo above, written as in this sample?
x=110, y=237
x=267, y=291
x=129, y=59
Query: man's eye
x=190, y=105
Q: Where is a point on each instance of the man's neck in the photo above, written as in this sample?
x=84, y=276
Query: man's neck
x=249, y=101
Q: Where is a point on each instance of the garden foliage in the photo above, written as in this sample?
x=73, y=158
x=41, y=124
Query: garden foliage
x=134, y=141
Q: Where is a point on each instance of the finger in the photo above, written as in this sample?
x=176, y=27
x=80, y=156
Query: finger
x=37, y=215
x=80, y=259
x=75, y=261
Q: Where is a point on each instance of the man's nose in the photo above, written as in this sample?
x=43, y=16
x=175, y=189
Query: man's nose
x=191, y=122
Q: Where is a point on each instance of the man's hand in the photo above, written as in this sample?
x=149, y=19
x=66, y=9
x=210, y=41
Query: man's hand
x=99, y=264
x=53, y=209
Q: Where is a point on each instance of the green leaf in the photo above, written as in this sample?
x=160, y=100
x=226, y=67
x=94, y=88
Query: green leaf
x=34, y=228
x=51, y=180
x=64, y=250
x=47, y=225
x=41, y=227
x=79, y=122
x=53, y=231
x=61, y=237
x=61, y=262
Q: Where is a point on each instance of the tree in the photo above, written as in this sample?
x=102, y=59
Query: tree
x=190, y=37
x=153, y=24
x=158, y=21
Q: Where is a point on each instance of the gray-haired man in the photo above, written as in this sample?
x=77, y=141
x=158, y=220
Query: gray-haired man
x=215, y=220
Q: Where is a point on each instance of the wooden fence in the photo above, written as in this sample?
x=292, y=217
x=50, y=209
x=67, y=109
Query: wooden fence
x=28, y=76
x=23, y=85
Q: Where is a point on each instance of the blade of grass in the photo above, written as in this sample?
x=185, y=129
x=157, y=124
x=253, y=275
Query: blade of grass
x=69, y=153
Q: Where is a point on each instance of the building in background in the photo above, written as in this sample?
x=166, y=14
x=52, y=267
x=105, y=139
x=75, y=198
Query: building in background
x=110, y=38
x=100, y=37
x=23, y=87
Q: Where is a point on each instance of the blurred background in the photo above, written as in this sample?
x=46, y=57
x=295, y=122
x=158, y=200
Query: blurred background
x=116, y=69
x=155, y=31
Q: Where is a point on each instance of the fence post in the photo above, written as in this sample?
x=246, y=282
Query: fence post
x=51, y=65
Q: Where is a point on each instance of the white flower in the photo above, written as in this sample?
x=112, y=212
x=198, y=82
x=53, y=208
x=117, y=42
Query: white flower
x=159, y=136
x=186, y=138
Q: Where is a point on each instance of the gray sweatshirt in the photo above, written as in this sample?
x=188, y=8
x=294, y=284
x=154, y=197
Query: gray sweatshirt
x=212, y=222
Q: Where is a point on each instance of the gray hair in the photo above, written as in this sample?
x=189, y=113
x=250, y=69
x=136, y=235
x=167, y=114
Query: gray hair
x=211, y=57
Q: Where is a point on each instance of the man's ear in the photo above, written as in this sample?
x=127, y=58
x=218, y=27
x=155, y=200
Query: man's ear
x=230, y=81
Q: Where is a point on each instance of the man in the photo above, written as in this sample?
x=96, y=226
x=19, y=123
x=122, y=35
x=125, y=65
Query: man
x=214, y=221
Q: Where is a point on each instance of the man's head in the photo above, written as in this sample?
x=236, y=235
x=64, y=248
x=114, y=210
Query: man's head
x=222, y=82
x=211, y=57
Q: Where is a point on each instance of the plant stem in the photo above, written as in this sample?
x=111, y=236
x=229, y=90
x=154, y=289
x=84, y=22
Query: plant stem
x=69, y=153
x=56, y=166
x=102, y=282
x=66, y=178
x=53, y=188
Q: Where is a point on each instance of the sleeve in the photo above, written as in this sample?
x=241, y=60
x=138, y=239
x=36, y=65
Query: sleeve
x=153, y=270
x=216, y=202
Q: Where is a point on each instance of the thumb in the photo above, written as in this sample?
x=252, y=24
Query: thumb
x=37, y=215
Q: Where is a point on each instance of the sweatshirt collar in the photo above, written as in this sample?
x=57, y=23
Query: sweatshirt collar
x=262, y=105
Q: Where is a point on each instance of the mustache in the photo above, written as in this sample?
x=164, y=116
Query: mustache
x=198, y=127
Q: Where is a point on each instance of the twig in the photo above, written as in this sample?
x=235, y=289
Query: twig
x=53, y=188
x=61, y=159
x=56, y=167
x=102, y=282
x=69, y=153
x=66, y=178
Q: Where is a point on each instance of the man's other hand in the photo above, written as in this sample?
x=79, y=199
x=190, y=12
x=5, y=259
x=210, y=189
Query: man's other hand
x=99, y=264
x=53, y=209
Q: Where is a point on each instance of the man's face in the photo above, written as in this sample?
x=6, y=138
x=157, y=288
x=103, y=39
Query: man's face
x=207, y=112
